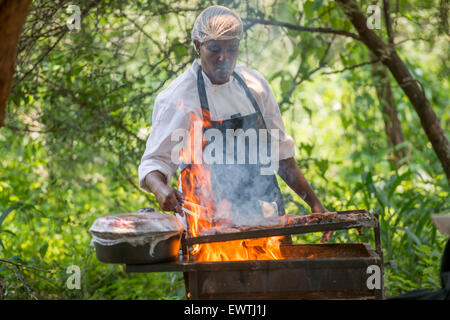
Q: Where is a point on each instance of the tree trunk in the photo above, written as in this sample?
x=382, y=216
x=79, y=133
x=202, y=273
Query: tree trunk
x=392, y=125
x=412, y=88
x=12, y=18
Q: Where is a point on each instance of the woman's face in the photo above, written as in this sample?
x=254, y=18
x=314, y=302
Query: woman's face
x=218, y=58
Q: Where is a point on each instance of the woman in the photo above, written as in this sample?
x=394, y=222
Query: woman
x=228, y=97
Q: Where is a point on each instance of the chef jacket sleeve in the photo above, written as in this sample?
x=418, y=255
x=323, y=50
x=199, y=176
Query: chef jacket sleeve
x=166, y=119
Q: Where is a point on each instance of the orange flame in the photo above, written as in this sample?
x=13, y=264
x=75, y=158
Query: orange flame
x=209, y=214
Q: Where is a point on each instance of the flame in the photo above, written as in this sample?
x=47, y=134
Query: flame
x=209, y=214
x=236, y=250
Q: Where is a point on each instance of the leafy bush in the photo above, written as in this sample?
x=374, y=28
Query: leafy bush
x=80, y=112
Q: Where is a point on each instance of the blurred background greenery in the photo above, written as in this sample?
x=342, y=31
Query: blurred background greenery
x=80, y=112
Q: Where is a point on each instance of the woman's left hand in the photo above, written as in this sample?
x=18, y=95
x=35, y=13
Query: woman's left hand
x=327, y=234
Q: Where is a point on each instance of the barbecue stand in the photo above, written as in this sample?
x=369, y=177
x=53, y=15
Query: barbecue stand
x=313, y=271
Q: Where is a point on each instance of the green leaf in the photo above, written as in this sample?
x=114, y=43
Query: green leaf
x=277, y=75
x=295, y=54
x=8, y=211
x=286, y=84
x=412, y=236
x=345, y=121
x=180, y=50
x=307, y=147
x=285, y=12
x=8, y=231
x=323, y=166
x=43, y=249
x=396, y=182
x=308, y=110
x=316, y=5
x=422, y=221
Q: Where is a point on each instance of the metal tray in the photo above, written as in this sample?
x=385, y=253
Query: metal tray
x=125, y=253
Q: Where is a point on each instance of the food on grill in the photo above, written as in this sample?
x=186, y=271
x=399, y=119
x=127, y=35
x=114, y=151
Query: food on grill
x=290, y=220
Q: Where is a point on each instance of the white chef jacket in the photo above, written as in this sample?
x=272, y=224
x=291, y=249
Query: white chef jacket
x=173, y=105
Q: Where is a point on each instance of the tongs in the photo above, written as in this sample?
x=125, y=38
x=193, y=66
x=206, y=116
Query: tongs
x=192, y=204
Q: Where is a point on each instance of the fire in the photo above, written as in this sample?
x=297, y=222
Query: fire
x=205, y=213
x=250, y=249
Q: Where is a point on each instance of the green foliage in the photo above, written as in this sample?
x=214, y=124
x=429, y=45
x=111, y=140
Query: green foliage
x=81, y=108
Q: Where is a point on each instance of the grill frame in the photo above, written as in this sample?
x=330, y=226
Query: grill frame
x=371, y=222
x=292, y=278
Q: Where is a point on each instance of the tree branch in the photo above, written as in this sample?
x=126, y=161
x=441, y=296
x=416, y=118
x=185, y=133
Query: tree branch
x=302, y=28
x=20, y=277
x=353, y=66
x=62, y=32
x=296, y=82
x=24, y=266
x=12, y=18
x=388, y=22
x=410, y=86
x=40, y=59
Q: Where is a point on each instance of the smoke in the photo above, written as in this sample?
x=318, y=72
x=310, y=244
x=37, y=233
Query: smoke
x=238, y=146
x=242, y=164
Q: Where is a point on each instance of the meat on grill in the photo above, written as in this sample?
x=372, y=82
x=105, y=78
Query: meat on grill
x=287, y=220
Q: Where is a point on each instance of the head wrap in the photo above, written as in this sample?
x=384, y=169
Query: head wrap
x=217, y=23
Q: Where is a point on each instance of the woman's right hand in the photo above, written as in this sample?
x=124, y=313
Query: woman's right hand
x=170, y=199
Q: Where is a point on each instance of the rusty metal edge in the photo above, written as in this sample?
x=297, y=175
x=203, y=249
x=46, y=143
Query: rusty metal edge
x=282, y=231
x=258, y=264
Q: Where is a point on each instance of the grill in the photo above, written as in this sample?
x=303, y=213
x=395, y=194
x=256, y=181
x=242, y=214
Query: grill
x=309, y=271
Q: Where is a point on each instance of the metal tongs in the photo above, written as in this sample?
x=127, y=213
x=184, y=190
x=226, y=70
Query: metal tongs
x=192, y=204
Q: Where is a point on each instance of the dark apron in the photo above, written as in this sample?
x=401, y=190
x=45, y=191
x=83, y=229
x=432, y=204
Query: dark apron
x=241, y=185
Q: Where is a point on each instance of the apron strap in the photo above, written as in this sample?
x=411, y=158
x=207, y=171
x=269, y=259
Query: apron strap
x=250, y=96
x=202, y=91
x=204, y=100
